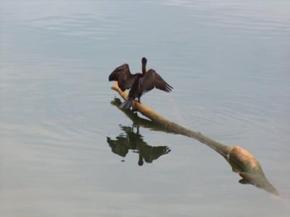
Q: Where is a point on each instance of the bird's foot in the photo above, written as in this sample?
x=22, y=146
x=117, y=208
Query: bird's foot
x=135, y=111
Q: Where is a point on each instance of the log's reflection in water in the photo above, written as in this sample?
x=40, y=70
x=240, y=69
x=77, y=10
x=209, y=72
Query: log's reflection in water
x=131, y=139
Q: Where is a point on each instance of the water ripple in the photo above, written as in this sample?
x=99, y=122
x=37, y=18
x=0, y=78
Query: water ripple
x=246, y=16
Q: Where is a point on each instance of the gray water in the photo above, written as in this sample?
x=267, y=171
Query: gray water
x=228, y=62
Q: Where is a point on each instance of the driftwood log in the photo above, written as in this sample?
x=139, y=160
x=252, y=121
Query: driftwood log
x=241, y=160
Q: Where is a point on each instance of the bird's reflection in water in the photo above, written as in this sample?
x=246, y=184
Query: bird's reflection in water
x=131, y=139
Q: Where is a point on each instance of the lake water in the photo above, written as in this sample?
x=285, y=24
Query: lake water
x=66, y=151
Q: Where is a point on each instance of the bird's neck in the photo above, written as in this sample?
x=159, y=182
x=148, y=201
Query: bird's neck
x=143, y=68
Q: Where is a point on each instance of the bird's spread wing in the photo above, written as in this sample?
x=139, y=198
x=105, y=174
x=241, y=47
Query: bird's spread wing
x=122, y=70
x=123, y=75
x=158, y=81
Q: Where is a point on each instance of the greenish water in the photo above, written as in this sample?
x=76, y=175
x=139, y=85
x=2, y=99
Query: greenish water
x=65, y=150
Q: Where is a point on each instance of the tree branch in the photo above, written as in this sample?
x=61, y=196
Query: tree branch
x=241, y=160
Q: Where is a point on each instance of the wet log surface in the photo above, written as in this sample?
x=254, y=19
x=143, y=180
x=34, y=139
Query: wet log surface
x=240, y=159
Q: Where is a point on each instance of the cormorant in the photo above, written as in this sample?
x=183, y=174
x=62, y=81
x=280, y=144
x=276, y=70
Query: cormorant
x=145, y=82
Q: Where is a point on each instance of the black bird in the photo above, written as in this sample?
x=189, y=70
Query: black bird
x=123, y=76
x=145, y=82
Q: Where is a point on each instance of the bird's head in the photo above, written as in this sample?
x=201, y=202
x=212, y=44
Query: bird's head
x=144, y=60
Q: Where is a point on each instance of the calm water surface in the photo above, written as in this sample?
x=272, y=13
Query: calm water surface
x=65, y=150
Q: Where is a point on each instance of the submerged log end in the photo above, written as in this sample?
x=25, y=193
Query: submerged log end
x=242, y=160
x=249, y=168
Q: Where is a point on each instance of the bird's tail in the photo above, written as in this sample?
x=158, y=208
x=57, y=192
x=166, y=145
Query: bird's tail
x=126, y=105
